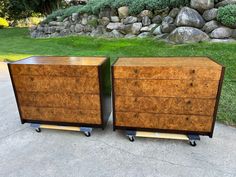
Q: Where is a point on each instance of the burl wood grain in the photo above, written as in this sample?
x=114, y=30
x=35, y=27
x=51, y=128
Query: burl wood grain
x=165, y=105
x=166, y=88
x=160, y=72
x=54, y=70
x=60, y=100
x=56, y=84
x=61, y=115
x=165, y=121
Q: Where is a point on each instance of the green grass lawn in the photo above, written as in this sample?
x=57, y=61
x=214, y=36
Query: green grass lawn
x=16, y=44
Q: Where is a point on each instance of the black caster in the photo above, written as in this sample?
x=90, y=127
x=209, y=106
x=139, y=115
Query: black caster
x=38, y=130
x=192, y=143
x=131, y=138
x=88, y=134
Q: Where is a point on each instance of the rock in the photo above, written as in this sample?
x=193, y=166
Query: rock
x=54, y=34
x=130, y=20
x=222, y=40
x=168, y=20
x=167, y=28
x=161, y=36
x=84, y=20
x=211, y=14
x=39, y=28
x=79, y=28
x=221, y=33
x=136, y=28
x=202, y=5
x=157, y=31
x=104, y=21
x=72, y=28
x=54, y=23
x=115, y=19
x=146, y=21
x=126, y=29
x=174, y=12
x=225, y=2
x=88, y=28
x=234, y=34
x=157, y=19
x=143, y=35
x=114, y=26
x=67, y=24
x=130, y=36
x=74, y=17
x=100, y=30
x=163, y=12
x=148, y=28
x=189, y=17
x=64, y=32
x=59, y=19
x=210, y=26
x=123, y=12
x=116, y=34
x=187, y=35
x=146, y=13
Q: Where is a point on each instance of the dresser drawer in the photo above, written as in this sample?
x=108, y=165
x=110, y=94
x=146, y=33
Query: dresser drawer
x=164, y=121
x=65, y=100
x=165, y=105
x=166, y=88
x=166, y=73
x=61, y=115
x=54, y=70
x=56, y=84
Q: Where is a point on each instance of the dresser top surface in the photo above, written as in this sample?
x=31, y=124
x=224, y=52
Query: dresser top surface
x=50, y=60
x=168, y=62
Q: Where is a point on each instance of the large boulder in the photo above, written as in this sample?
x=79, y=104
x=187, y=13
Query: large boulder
x=225, y=2
x=157, y=31
x=157, y=19
x=131, y=28
x=130, y=20
x=189, y=17
x=202, y=5
x=146, y=21
x=123, y=12
x=79, y=28
x=104, y=21
x=211, y=14
x=100, y=30
x=167, y=28
x=114, y=26
x=187, y=35
x=168, y=20
x=221, y=33
x=210, y=26
x=174, y=12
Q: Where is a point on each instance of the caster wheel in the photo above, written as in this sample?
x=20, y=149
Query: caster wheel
x=88, y=134
x=131, y=138
x=193, y=143
x=38, y=130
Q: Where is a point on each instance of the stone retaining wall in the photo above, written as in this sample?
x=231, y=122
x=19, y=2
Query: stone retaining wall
x=178, y=25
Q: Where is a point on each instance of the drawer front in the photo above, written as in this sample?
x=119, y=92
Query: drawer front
x=61, y=115
x=164, y=121
x=165, y=105
x=54, y=70
x=56, y=84
x=166, y=88
x=65, y=100
x=177, y=73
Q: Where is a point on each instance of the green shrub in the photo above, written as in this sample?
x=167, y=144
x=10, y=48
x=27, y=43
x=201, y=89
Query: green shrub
x=3, y=23
x=135, y=6
x=227, y=15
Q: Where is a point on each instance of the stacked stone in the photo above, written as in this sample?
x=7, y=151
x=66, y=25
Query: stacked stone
x=186, y=25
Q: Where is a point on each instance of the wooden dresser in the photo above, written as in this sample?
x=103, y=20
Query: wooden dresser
x=172, y=94
x=62, y=90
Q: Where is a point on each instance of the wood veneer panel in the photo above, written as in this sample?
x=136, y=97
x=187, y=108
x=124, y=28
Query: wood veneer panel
x=65, y=100
x=61, y=115
x=165, y=105
x=202, y=62
x=166, y=73
x=56, y=84
x=164, y=121
x=166, y=88
x=54, y=70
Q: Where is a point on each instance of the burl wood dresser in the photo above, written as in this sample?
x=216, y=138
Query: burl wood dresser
x=68, y=91
x=172, y=94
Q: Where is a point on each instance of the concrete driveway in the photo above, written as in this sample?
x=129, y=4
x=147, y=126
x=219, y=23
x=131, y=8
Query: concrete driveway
x=25, y=153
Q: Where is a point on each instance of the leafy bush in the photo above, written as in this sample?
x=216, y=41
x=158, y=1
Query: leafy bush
x=135, y=6
x=227, y=15
x=3, y=23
